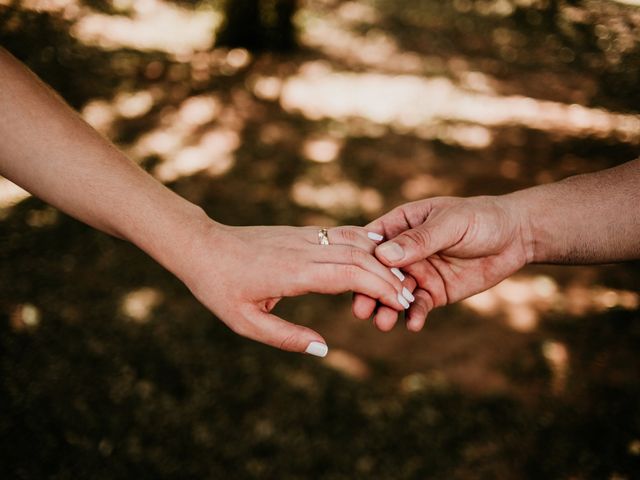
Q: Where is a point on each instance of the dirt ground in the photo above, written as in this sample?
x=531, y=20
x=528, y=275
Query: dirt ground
x=111, y=369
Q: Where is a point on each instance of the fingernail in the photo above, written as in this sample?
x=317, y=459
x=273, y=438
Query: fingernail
x=375, y=236
x=398, y=273
x=407, y=294
x=317, y=349
x=391, y=251
x=403, y=301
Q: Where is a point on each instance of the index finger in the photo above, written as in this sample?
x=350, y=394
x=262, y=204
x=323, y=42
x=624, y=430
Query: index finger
x=402, y=218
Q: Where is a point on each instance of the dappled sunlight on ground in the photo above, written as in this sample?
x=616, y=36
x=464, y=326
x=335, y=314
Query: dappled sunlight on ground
x=341, y=198
x=138, y=304
x=557, y=356
x=213, y=155
x=47, y=5
x=143, y=25
x=376, y=49
x=25, y=317
x=425, y=185
x=523, y=299
x=154, y=25
x=347, y=363
x=183, y=147
x=424, y=106
x=102, y=114
x=322, y=149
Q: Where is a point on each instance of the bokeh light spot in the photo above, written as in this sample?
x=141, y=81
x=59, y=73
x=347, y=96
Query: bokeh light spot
x=139, y=304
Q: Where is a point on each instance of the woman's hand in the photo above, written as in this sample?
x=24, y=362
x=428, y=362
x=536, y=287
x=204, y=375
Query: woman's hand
x=241, y=273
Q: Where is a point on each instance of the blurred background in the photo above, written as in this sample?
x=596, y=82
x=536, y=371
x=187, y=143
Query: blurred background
x=322, y=112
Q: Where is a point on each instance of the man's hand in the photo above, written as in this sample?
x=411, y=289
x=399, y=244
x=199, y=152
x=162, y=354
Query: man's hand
x=457, y=247
x=452, y=247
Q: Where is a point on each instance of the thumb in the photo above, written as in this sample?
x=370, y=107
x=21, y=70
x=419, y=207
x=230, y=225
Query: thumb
x=272, y=330
x=419, y=243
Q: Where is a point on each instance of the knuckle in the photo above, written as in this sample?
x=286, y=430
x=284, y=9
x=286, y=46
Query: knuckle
x=425, y=272
x=420, y=237
x=357, y=256
x=390, y=297
x=289, y=342
x=419, y=310
x=348, y=235
x=350, y=272
x=398, y=211
x=410, y=282
x=425, y=300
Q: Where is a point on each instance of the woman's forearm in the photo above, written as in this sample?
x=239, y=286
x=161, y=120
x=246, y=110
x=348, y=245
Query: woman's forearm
x=238, y=273
x=50, y=151
x=591, y=218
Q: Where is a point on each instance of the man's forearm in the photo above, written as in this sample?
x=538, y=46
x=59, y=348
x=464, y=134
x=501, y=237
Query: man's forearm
x=591, y=218
x=49, y=150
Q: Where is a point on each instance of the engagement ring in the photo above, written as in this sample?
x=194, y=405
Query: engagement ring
x=323, y=236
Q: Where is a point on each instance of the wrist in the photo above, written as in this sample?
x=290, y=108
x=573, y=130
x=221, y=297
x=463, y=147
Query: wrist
x=518, y=205
x=179, y=238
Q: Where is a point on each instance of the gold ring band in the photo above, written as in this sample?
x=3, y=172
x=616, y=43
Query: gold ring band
x=323, y=236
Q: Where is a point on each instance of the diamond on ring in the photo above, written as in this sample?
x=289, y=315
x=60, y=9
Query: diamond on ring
x=323, y=236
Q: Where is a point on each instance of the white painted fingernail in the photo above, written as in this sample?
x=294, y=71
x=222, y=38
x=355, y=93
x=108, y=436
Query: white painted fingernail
x=407, y=294
x=403, y=301
x=397, y=273
x=375, y=236
x=318, y=349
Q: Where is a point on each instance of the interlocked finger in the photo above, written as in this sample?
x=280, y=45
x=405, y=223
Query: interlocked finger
x=417, y=315
x=335, y=278
x=386, y=318
x=346, y=255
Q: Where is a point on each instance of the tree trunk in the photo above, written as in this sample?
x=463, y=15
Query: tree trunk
x=259, y=25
